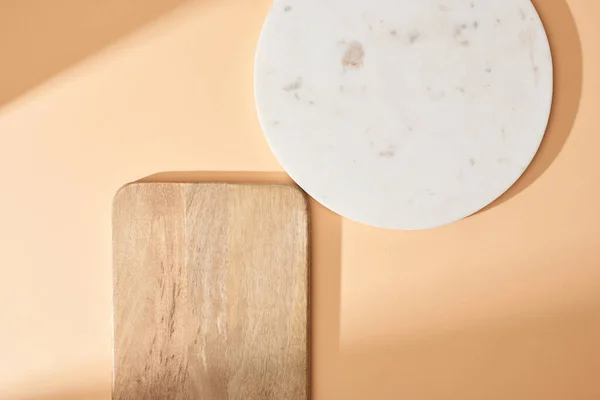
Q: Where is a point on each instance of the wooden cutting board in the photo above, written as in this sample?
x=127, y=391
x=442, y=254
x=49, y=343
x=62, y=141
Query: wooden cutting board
x=210, y=292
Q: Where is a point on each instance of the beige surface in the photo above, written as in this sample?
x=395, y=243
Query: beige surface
x=501, y=305
x=210, y=292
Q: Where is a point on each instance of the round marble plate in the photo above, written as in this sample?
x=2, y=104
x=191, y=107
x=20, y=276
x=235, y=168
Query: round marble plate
x=404, y=114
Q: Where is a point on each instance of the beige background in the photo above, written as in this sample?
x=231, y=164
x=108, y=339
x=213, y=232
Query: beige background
x=97, y=93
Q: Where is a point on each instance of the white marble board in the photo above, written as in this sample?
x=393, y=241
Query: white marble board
x=404, y=114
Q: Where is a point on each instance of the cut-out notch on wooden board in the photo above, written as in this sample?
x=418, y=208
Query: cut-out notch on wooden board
x=210, y=292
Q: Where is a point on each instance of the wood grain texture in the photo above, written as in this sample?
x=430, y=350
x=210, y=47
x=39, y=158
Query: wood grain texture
x=210, y=292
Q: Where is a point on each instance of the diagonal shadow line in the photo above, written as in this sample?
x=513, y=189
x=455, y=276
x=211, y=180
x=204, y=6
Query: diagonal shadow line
x=523, y=356
x=40, y=38
x=89, y=381
x=89, y=394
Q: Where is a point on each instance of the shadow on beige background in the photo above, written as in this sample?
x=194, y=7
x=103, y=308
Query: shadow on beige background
x=541, y=357
x=90, y=394
x=86, y=382
x=40, y=38
x=568, y=82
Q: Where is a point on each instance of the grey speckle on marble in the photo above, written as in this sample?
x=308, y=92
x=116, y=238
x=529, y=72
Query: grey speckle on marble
x=404, y=114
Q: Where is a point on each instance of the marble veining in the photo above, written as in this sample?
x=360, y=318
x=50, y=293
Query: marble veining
x=399, y=113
